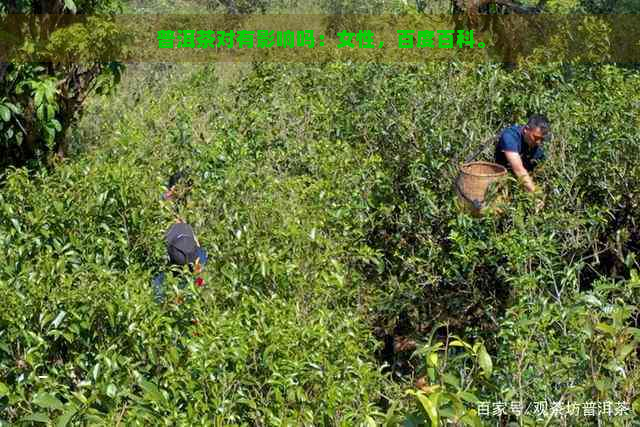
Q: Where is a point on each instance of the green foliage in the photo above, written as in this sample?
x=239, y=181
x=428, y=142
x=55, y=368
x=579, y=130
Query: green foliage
x=61, y=6
x=424, y=260
x=44, y=99
x=44, y=94
x=562, y=6
x=448, y=388
x=609, y=6
x=591, y=42
x=273, y=337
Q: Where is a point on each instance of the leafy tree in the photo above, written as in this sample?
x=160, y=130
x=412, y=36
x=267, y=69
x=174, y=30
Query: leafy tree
x=561, y=16
x=39, y=101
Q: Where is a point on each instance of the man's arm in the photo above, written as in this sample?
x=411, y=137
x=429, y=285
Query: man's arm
x=518, y=168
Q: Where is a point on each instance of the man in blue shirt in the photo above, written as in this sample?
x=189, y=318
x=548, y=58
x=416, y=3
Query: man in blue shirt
x=519, y=148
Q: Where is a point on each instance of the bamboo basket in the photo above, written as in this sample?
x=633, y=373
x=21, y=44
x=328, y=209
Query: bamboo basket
x=472, y=183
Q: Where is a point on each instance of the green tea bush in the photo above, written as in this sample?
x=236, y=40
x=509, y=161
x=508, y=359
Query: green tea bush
x=271, y=338
x=425, y=261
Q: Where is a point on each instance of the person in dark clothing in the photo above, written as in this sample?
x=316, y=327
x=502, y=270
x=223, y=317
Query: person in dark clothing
x=183, y=249
x=183, y=246
x=519, y=148
x=173, y=190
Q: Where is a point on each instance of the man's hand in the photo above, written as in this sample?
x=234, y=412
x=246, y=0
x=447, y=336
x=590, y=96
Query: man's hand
x=539, y=199
x=197, y=268
x=168, y=195
x=521, y=172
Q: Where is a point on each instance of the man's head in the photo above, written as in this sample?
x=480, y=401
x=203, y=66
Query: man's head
x=536, y=130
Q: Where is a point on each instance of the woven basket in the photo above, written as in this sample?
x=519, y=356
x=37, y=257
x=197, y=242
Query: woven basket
x=473, y=181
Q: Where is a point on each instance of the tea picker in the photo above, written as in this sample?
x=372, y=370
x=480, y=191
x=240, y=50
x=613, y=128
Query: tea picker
x=182, y=244
x=183, y=249
x=519, y=148
x=516, y=148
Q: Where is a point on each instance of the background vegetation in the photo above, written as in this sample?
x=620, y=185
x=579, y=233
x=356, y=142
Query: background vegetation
x=344, y=287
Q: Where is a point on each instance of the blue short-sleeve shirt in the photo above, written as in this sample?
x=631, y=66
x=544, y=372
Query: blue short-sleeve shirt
x=512, y=139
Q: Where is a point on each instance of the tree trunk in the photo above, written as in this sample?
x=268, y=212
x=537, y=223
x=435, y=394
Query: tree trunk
x=4, y=66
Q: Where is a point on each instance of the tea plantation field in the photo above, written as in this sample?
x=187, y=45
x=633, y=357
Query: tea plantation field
x=344, y=286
